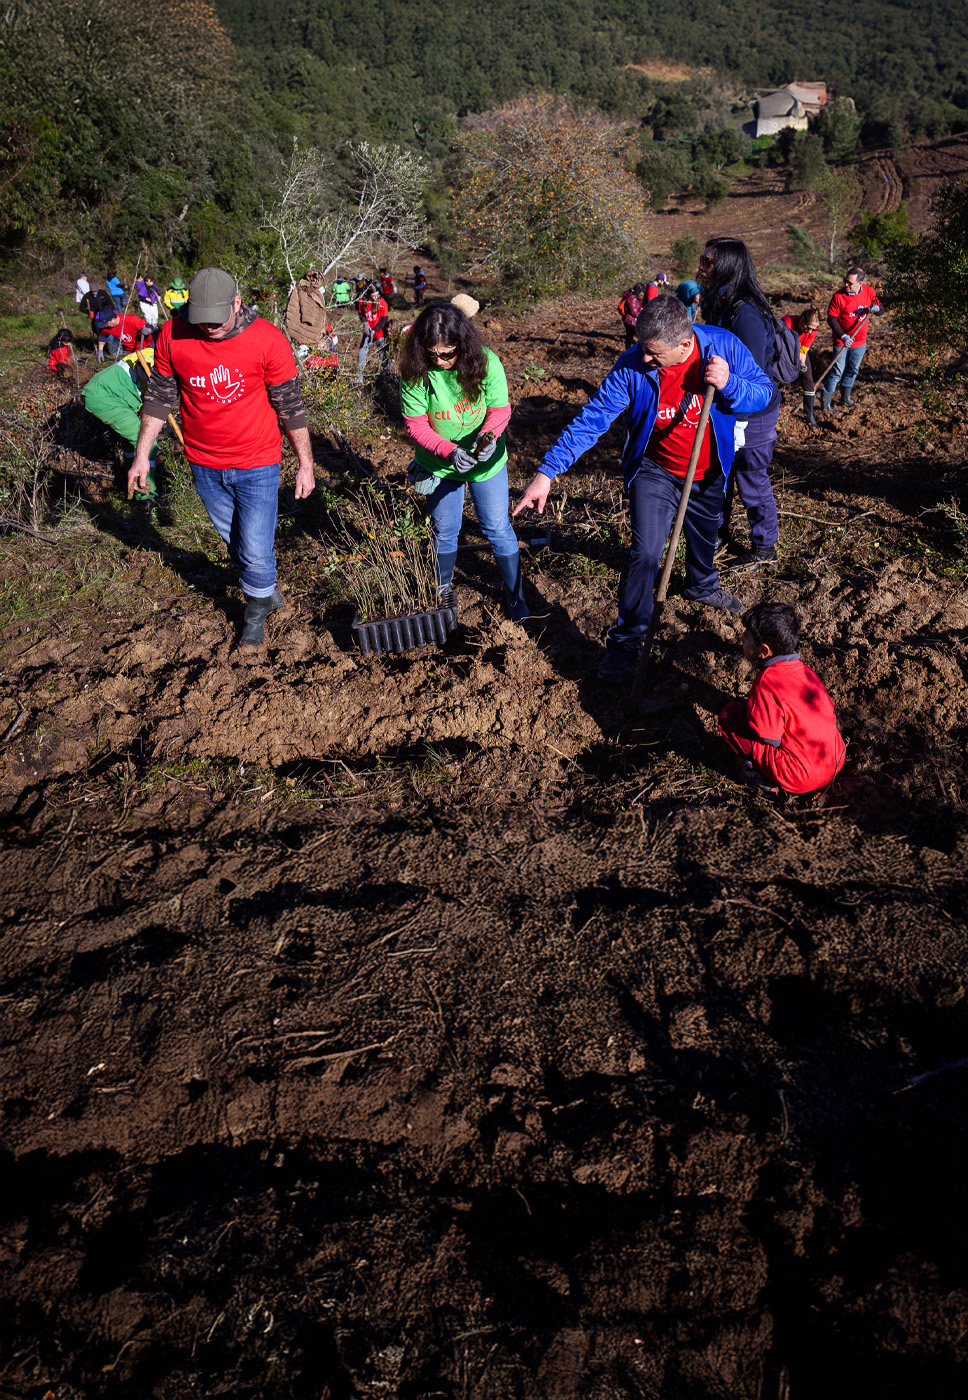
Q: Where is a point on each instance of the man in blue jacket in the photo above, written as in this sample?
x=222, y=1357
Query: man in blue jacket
x=659, y=384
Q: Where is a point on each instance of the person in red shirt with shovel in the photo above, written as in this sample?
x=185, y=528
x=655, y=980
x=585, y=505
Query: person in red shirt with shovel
x=121, y=333
x=847, y=318
x=236, y=378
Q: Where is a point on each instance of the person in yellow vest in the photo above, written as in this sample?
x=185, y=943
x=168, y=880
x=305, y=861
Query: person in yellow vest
x=176, y=296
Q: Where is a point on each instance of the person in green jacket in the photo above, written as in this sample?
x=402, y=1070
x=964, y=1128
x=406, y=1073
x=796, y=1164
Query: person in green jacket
x=176, y=295
x=454, y=397
x=114, y=396
x=342, y=291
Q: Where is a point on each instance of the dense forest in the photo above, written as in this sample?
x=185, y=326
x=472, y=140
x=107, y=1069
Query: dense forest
x=398, y=63
x=167, y=127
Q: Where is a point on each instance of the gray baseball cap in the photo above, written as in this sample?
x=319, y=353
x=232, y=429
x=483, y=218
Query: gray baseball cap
x=211, y=296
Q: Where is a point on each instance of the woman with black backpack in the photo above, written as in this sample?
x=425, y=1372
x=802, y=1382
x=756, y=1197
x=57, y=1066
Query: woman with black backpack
x=733, y=298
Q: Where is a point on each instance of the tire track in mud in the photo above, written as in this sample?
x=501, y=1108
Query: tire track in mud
x=893, y=191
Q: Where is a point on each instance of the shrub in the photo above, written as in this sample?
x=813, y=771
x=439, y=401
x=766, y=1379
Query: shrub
x=927, y=280
x=873, y=233
x=684, y=255
x=803, y=155
x=803, y=250
x=663, y=170
x=546, y=200
x=838, y=127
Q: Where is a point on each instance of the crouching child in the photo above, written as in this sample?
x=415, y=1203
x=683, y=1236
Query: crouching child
x=59, y=353
x=786, y=731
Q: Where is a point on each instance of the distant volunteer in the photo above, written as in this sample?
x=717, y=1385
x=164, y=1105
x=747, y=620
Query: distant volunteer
x=176, y=295
x=806, y=325
x=374, y=317
x=120, y=333
x=148, y=299
x=235, y=377
x=690, y=294
x=630, y=309
x=847, y=317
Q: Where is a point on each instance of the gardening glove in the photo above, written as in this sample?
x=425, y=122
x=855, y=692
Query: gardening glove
x=485, y=453
x=424, y=483
x=462, y=461
x=877, y=309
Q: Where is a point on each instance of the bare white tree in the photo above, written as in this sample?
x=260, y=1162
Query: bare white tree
x=316, y=229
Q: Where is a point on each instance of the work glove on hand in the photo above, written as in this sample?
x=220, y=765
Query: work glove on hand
x=877, y=309
x=485, y=453
x=463, y=461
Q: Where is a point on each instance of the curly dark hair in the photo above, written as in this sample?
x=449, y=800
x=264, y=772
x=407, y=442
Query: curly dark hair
x=441, y=323
x=733, y=281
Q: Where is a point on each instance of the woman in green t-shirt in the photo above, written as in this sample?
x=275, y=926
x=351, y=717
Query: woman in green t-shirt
x=454, y=397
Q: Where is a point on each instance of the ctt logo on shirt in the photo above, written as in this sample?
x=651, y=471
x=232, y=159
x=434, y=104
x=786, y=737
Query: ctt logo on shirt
x=224, y=384
x=690, y=417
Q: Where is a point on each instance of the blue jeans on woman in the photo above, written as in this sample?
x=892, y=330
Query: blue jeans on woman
x=243, y=505
x=490, y=500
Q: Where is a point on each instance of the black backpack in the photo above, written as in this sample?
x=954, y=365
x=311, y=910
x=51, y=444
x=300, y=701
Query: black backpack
x=786, y=363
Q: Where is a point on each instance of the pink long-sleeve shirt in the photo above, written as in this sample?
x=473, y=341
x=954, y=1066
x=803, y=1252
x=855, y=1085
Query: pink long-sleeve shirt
x=419, y=429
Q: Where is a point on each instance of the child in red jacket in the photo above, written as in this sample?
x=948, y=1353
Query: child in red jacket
x=59, y=352
x=786, y=732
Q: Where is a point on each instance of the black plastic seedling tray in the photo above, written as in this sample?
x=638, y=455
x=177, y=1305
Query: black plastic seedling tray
x=420, y=629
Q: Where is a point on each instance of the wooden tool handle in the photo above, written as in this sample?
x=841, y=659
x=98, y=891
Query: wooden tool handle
x=670, y=559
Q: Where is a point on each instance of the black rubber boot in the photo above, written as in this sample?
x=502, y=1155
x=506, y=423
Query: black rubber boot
x=808, y=417
x=845, y=398
x=509, y=566
x=256, y=612
x=445, y=569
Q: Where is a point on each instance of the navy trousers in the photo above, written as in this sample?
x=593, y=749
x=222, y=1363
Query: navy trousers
x=751, y=477
x=654, y=498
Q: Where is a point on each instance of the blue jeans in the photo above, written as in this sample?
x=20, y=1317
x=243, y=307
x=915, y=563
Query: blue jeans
x=243, y=505
x=118, y=302
x=490, y=500
x=654, y=498
x=845, y=371
x=366, y=346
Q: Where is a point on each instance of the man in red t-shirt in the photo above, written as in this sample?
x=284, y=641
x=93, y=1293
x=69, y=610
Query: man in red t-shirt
x=236, y=379
x=121, y=333
x=847, y=318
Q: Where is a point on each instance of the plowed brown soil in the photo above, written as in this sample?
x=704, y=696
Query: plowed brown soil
x=429, y=1025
